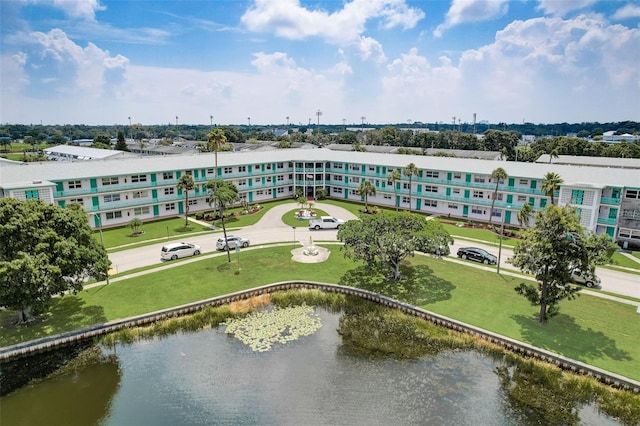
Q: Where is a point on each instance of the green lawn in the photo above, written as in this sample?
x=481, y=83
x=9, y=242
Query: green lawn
x=596, y=331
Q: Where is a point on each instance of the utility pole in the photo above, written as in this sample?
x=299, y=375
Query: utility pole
x=318, y=114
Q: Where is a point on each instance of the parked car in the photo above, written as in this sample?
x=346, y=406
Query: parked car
x=325, y=222
x=233, y=241
x=585, y=279
x=477, y=254
x=176, y=250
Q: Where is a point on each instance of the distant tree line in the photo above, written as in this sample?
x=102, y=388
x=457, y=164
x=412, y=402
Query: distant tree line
x=411, y=138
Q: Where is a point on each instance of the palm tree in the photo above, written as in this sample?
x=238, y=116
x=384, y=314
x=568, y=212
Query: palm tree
x=410, y=171
x=497, y=175
x=524, y=215
x=550, y=184
x=215, y=140
x=222, y=194
x=393, y=177
x=553, y=154
x=186, y=183
x=365, y=189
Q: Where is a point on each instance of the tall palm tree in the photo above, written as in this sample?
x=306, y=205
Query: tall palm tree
x=497, y=175
x=524, y=215
x=186, y=183
x=215, y=140
x=550, y=184
x=410, y=171
x=394, y=177
x=223, y=194
x=365, y=189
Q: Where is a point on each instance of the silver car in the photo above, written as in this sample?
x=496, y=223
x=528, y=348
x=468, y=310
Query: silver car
x=176, y=250
x=233, y=241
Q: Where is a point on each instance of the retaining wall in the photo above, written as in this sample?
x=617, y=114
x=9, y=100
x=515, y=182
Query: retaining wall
x=59, y=340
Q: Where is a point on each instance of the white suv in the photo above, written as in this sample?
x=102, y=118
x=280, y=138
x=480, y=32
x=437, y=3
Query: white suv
x=233, y=241
x=175, y=250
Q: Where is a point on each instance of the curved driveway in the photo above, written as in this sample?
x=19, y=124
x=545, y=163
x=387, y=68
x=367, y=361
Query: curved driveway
x=271, y=229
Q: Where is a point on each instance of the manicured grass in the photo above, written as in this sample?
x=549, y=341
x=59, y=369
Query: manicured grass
x=618, y=259
x=289, y=218
x=160, y=229
x=596, y=331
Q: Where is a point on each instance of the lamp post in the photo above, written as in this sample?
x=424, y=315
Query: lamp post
x=318, y=114
x=500, y=245
x=211, y=118
x=129, y=127
x=101, y=237
x=294, y=235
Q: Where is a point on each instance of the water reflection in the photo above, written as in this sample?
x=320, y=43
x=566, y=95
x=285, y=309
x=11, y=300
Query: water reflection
x=209, y=377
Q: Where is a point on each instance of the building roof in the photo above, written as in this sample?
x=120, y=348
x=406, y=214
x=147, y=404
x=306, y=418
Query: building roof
x=571, y=174
x=581, y=160
x=81, y=152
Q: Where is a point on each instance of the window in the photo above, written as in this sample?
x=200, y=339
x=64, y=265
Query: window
x=499, y=196
x=336, y=190
x=268, y=166
x=453, y=206
x=456, y=191
x=242, y=182
x=260, y=192
x=139, y=194
x=280, y=165
x=476, y=210
x=354, y=167
x=432, y=174
x=387, y=197
x=497, y=213
x=478, y=194
x=429, y=188
x=169, y=191
x=76, y=200
x=138, y=211
x=405, y=185
x=337, y=165
x=170, y=206
x=406, y=200
x=524, y=181
x=75, y=184
x=210, y=171
x=280, y=190
x=478, y=179
x=457, y=175
x=113, y=215
x=111, y=198
x=280, y=178
x=269, y=179
x=430, y=203
x=633, y=234
x=109, y=181
x=227, y=170
x=243, y=169
x=630, y=214
x=167, y=175
x=372, y=168
x=577, y=196
x=138, y=178
x=354, y=180
x=337, y=177
x=193, y=202
x=522, y=198
x=629, y=193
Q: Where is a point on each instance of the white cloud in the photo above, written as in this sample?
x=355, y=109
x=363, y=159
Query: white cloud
x=288, y=19
x=81, y=9
x=549, y=67
x=462, y=11
x=562, y=7
x=370, y=48
x=627, y=11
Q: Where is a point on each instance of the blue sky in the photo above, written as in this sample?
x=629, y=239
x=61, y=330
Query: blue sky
x=391, y=61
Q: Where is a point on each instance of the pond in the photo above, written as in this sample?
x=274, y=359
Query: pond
x=211, y=377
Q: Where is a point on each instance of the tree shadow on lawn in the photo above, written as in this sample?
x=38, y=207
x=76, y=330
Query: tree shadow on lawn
x=65, y=313
x=418, y=285
x=551, y=336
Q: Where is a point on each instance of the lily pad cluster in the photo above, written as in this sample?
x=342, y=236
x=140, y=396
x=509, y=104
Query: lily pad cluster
x=261, y=330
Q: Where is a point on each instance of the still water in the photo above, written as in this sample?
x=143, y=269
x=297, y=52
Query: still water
x=209, y=377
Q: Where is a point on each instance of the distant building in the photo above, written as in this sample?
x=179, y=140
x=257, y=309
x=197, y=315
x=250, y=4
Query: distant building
x=612, y=137
x=78, y=153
